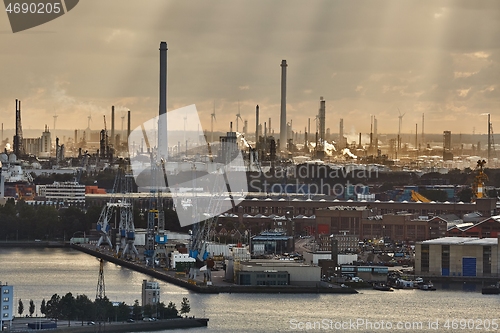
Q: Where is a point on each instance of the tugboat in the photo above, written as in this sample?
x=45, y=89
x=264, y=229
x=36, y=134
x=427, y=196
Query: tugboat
x=491, y=290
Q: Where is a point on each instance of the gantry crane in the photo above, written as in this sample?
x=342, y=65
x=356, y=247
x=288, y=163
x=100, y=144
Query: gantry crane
x=201, y=231
x=127, y=248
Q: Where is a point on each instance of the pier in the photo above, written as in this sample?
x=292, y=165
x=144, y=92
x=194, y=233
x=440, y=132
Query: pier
x=218, y=286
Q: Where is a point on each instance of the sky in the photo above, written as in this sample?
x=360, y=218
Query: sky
x=365, y=58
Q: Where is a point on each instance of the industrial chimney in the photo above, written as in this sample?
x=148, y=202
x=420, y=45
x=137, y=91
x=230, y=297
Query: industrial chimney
x=322, y=112
x=113, y=125
x=283, y=127
x=162, y=119
x=256, y=126
x=128, y=125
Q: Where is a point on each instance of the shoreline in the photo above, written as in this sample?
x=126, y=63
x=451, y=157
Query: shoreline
x=139, y=326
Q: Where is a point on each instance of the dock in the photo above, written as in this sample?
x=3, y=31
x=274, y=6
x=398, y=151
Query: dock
x=217, y=287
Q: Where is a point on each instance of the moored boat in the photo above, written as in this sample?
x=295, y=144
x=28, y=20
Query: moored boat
x=491, y=290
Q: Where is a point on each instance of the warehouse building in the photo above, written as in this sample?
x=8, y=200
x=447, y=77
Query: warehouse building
x=458, y=257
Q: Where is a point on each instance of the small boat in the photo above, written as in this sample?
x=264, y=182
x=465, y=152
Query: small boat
x=382, y=287
x=491, y=290
x=427, y=286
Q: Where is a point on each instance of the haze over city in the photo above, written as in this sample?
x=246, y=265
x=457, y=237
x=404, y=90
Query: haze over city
x=365, y=58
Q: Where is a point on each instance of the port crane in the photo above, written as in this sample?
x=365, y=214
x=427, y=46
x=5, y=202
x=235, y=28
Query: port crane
x=126, y=248
x=201, y=231
x=479, y=179
x=155, y=248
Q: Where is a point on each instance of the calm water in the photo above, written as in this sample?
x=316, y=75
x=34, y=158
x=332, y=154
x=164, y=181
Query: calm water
x=39, y=273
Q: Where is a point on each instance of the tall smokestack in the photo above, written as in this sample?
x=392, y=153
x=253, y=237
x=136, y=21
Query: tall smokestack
x=375, y=131
x=256, y=126
x=128, y=125
x=322, y=111
x=341, y=133
x=113, y=125
x=489, y=138
x=269, y=127
x=283, y=128
x=162, y=120
x=423, y=135
x=308, y=127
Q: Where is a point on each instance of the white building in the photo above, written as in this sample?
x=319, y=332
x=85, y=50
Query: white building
x=342, y=259
x=6, y=305
x=150, y=293
x=66, y=192
x=38, y=146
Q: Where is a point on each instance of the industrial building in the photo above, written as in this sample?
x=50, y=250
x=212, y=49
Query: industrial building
x=272, y=243
x=362, y=223
x=150, y=293
x=367, y=273
x=69, y=193
x=314, y=258
x=458, y=257
x=345, y=242
x=6, y=305
x=255, y=272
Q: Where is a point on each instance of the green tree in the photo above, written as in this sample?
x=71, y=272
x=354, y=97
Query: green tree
x=147, y=310
x=53, y=307
x=137, y=310
x=104, y=309
x=20, y=308
x=32, y=308
x=161, y=307
x=43, y=308
x=171, y=311
x=68, y=307
x=85, y=308
x=122, y=312
x=185, y=307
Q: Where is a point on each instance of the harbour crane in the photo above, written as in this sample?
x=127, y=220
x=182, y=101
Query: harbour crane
x=103, y=227
x=201, y=231
x=479, y=179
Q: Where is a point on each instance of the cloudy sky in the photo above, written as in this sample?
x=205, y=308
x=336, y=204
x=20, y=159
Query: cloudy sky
x=435, y=57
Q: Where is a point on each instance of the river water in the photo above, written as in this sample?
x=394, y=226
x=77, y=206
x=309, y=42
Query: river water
x=39, y=273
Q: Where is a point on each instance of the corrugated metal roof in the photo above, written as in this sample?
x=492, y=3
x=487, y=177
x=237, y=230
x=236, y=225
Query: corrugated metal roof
x=461, y=241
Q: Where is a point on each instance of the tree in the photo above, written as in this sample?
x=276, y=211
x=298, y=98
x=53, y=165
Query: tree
x=53, y=307
x=68, y=307
x=185, y=307
x=85, y=308
x=122, y=312
x=148, y=310
x=161, y=308
x=137, y=310
x=20, y=308
x=43, y=308
x=171, y=311
x=32, y=308
x=104, y=309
